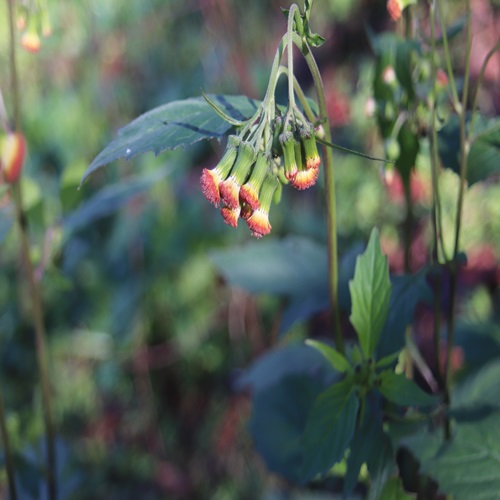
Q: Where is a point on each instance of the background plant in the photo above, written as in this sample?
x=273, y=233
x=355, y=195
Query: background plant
x=165, y=347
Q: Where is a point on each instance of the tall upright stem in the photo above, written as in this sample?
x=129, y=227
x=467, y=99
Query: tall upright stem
x=331, y=211
x=9, y=466
x=41, y=348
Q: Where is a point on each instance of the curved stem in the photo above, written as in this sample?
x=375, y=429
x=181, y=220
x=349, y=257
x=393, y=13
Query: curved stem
x=329, y=193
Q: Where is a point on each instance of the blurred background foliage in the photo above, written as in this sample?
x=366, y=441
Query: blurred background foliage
x=145, y=338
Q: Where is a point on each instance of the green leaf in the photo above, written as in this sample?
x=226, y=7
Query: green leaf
x=178, y=123
x=329, y=428
x=335, y=358
x=393, y=490
x=6, y=220
x=480, y=389
x=387, y=360
x=110, y=199
x=289, y=267
x=402, y=391
x=370, y=294
x=468, y=466
x=370, y=445
x=482, y=161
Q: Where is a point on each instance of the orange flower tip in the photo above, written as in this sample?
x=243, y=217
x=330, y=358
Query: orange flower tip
x=395, y=8
x=306, y=178
x=31, y=42
x=259, y=224
x=250, y=196
x=230, y=215
x=210, y=181
x=230, y=192
x=313, y=162
x=13, y=150
x=442, y=78
x=21, y=23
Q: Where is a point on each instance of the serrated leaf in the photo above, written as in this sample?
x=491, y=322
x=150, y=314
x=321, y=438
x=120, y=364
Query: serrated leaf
x=402, y=391
x=370, y=295
x=335, y=358
x=178, y=123
x=329, y=428
x=468, y=466
x=288, y=267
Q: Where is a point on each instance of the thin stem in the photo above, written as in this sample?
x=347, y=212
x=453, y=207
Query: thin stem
x=451, y=78
x=41, y=349
x=40, y=335
x=408, y=225
x=7, y=451
x=13, y=66
x=464, y=152
x=329, y=193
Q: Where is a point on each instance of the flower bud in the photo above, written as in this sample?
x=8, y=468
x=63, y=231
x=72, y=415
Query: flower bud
x=230, y=188
x=211, y=179
x=30, y=40
x=258, y=222
x=12, y=152
x=249, y=192
x=230, y=215
x=287, y=144
x=395, y=8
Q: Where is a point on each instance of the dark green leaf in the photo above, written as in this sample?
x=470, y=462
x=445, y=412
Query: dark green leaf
x=329, y=429
x=178, y=123
x=6, y=220
x=336, y=359
x=468, y=466
x=288, y=267
x=407, y=292
x=370, y=294
x=409, y=146
x=480, y=389
x=370, y=445
x=482, y=161
x=282, y=362
x=402, y=391
x=110, y=199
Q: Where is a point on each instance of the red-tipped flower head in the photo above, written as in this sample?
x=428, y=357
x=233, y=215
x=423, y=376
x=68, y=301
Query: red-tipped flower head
x=306, y=177
x=230, y=188
x=287, y=144
x=258, y=222
x=310, y=149
x=230, y=215
x=211, y=179
x=12, y=153
x=249, y=192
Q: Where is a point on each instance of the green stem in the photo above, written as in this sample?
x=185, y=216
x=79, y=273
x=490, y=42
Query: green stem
x=40, y=335
x=7, y=451
x=408, y=225
x=41, y=349
x=464, y=152
x=329, y=193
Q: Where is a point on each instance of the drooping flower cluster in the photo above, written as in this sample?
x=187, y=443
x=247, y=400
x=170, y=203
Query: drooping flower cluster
x=250, y=175
x=33, y=20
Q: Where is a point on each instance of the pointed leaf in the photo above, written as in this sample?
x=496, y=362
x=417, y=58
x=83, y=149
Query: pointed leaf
x=335, y=358
x=178, y=123
x=370, y=294
x=329, y=429
x=402, y=391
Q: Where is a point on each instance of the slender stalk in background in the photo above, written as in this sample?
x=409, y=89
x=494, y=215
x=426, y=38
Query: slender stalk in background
x=41, y=348
x=329, y=193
